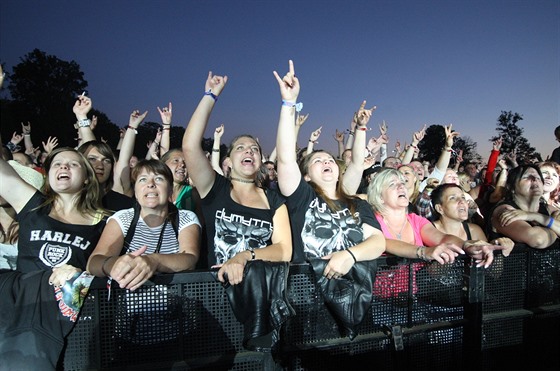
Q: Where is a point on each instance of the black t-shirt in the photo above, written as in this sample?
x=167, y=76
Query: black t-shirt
x=232, y=227
x=317, y=230
x=45, y=242
x=116, y=201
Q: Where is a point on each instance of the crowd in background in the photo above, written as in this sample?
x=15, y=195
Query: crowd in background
x=104, y=211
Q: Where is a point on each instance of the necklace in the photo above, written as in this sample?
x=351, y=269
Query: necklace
x=398, y=235
x=242, y=180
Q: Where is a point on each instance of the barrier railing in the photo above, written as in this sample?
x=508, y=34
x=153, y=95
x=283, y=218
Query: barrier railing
x=422, y=316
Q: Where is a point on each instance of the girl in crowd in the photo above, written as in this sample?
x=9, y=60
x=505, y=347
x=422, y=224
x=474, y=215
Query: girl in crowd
x=551, y=186
x=244, y=221
x=522, y=216
x=58, y=230
x=164, y=239
x=332, y=224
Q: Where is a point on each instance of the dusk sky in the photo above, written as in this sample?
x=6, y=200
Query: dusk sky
x=420, y=62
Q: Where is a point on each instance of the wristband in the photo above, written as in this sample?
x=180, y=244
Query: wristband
x=550, y=222
x=209, y=92
x=253, y=255
x=132, y=128
x=298, y=106
x=351, y=133
x=82, y=123
x=215, y=150
x=353, y=257
x=362, y=128
x=413, y=146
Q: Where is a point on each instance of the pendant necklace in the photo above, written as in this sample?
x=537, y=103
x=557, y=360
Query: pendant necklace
x=398, y=235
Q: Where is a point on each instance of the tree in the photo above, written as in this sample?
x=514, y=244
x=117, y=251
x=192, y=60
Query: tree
x=513, y=139
x=43, y=89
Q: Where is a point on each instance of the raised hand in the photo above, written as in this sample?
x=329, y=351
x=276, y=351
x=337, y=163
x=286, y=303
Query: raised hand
x=450, y=135
x=51, y=144
x=315, y=135
x=497, y=144
x=339, y=136
x=363, y=115
x=218, y=132
x=383, y=127
x=136, y=118
x=419, y=135
x=300, y=120
x=82, y=106
x=215, y=84
x=166, y=114
x=289, y=84
x=26, y=129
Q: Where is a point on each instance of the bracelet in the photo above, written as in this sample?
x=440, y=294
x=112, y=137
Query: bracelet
x=352, y=254
x=253, y=255
x=82, y=123
x=132, y=128
x=298, y=106
x=312, y=141
x=103, y=266
x=156, y=143
x=550, y=222
x=164, y=128
x=362, y=128
x=421, y=253
x=26, y=135
x=215, y=150
x=351, y=133
x=413, y=146
x=209, y=92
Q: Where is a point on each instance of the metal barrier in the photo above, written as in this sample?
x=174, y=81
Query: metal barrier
x=422, y=316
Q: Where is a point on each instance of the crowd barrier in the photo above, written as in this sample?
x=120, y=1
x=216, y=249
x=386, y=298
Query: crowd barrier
x=422, y=317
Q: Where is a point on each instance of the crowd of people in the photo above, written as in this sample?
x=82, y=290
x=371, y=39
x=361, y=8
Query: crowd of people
x=97, y=210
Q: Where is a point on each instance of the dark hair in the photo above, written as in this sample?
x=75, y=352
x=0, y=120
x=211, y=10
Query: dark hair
x=154, y=166
x=106, y=151
x=515, y=174
x=436, y=197
x=343, y=197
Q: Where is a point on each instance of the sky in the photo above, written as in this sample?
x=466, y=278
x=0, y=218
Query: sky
x=418, y=61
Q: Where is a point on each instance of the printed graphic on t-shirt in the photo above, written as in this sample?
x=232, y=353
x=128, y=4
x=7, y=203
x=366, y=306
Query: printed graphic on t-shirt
x=325, y=232
x=236, y=233
x=57, y=249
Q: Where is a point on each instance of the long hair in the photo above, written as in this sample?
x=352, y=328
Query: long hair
x=555, y=193
x=416, y=189
x=107, y=152
x=515, y=174
x=343, y=197
x=89, y=200
x=262, y=171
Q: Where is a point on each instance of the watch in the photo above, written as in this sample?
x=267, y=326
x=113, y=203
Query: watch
x=82, y=123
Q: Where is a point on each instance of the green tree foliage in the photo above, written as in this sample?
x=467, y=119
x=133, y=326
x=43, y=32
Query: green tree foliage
x=513, y=139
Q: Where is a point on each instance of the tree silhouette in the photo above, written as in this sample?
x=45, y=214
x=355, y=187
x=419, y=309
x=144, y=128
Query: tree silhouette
x=43, y=89
x=513, y=139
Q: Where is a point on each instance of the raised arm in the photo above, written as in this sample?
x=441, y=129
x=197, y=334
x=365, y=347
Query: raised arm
x=352, y=177
x=166, y=114
x=13, y=189
x=339, y=137
x=81, y=108
x=416, y=138
x=200, y=169
x=289, y=175
x=313, y=138
x=215, y=159
x=121, y=174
